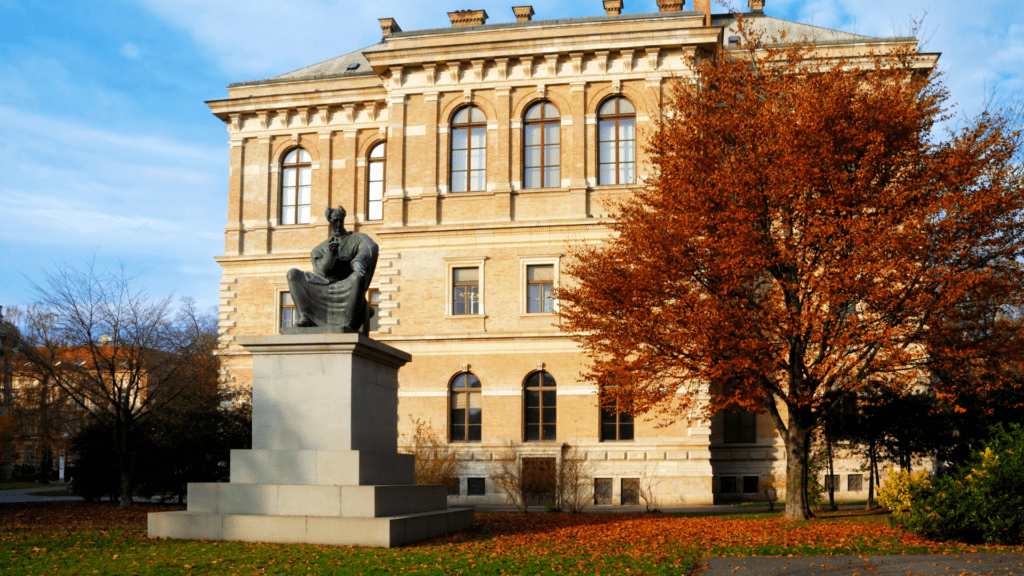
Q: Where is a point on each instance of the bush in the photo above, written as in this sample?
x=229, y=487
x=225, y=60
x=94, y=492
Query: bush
x=895, y=492
x=980, y=501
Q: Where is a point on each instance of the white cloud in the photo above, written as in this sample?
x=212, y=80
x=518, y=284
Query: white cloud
x=69, y=188
x=130, y=50
x=262, y=38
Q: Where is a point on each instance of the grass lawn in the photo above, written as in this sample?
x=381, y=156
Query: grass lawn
x=81, y=538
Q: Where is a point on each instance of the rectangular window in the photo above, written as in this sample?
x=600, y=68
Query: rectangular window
x=454, y=487
x=855, y=482
x=740, y=426
x=832, y=481
x=630, y=494
x=374, y=301
x=540, y=282
x=750, y=484
x=465, y=291
x=287, y=310
x=476, y=487
x=603, y=491
x=616, y=425
x=729, y=485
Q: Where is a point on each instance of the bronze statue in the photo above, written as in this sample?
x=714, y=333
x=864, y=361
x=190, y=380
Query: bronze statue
x=334, y=297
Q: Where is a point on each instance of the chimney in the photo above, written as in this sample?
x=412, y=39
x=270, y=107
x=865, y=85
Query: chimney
x=613, y=7
x=670, y=5
x=523, y=13
x=756, y=6
x=462, y=18
x=705, y=7
x=388, y=26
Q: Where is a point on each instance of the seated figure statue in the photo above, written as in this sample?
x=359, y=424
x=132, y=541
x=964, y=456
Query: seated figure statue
x=334, y=297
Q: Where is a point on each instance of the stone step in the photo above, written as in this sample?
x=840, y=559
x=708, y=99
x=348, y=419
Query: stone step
x=323, y=467
x=336, y=531
x=315, y=500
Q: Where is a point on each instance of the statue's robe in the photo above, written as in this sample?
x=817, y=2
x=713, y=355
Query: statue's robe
x=335, y=297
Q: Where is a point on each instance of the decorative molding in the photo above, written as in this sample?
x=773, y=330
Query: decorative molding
x=302, y=114
x=627, y=60
x=478, y=70
x=348, y=113
x=552, y=61
x=454, y=69
x=234, y=123
x=542, y=91
x=396, y=77
x=577, y=86
x=324, y=114
x=467, y=96
x=652, y=58
x=501, y=67
x=602, y=61
x=577, y=62
x=526, y=62
x=263, y=118
x=430, y=70
x=430, y=96
x=617, y=86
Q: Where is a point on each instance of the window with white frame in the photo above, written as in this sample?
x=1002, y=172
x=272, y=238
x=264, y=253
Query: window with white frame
x=538, y=277
x=296, y=186
x=465, y=287
x=375, y=181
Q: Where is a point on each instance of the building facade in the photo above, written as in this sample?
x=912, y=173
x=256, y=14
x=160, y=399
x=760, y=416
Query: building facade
x=476, y=156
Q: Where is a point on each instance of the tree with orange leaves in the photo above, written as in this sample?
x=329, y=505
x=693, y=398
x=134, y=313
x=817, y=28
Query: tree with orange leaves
x=806, y=234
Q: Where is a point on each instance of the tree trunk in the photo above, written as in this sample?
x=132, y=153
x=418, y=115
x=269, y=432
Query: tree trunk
x=831, y=473
x=871, y=475
x=45, y=463
x=797, y=446
x=124, y=459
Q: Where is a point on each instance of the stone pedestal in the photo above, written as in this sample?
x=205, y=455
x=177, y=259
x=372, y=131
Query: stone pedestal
x=324, y=468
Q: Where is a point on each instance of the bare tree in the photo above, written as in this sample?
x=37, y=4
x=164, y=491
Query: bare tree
x=509, y=478
x=575, y=479
x=118, y=353
x=437, y=462
x=650, y=481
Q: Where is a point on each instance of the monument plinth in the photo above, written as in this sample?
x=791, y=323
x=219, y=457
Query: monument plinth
x=324, y=467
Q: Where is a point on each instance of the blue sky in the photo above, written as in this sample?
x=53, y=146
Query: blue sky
x=107, y=147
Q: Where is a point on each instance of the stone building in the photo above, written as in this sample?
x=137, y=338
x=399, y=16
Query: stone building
x=476, y=155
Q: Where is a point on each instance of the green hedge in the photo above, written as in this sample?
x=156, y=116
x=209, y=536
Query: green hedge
x=980, y=501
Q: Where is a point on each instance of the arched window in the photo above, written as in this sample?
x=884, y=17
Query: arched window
x=541, y=406
x=541, y=158
x=376, y=165
x=616, y=145
x=466, y=413
x=469, y=150
x=296, y=180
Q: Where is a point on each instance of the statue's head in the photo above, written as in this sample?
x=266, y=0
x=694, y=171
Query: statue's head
x=336, y=216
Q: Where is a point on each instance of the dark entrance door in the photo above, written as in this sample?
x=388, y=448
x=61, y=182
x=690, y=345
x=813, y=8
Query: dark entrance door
x=539, y=478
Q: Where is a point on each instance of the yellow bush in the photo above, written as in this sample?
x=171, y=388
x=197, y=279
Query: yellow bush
x=894, y=493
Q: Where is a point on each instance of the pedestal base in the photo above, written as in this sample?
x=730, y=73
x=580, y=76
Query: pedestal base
x=324, y=468
x=384, y=532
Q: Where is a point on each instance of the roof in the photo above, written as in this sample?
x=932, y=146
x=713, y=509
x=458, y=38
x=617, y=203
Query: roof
x=338, y=67
x=551, y=22
x=795, y=31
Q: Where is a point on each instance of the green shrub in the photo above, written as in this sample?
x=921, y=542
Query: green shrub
x=897, y=489
x=980, y=501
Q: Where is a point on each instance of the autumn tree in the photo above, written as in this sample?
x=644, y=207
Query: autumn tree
x=118, y=353
x=808, y=230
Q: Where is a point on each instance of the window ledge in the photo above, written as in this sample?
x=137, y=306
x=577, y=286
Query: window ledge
x=464, y=316
x=537, y=314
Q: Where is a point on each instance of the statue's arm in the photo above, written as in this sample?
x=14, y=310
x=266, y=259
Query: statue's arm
x=322, y=260
x=364, y=258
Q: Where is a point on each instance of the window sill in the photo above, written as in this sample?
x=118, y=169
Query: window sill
x=464, y=316
x=537, y=314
